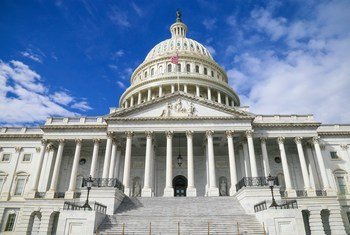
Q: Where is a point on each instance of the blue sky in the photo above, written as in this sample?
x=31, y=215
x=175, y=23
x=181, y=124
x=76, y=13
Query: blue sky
x=67, y=58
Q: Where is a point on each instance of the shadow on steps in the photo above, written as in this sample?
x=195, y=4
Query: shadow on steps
x=128, y=203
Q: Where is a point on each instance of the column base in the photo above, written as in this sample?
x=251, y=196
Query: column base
x=232, y=191
x=146, y=192
x=127, y=191
x=50, y=194
x=310, y=192
x=291, y=193
x=69, y=195
x=191, y=192
x=168, y=192
x=213, y=192
x=31, y=194
x=330, y=192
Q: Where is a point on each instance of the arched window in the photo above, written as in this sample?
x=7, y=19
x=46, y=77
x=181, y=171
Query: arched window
x=169, y=68
x=188, y=68
x=145, y=74
x=160, y=69
x=179, y=67
x=197, y=69
x=205, y=71
x=212, y=73
x=34, y=222
x=152, y=71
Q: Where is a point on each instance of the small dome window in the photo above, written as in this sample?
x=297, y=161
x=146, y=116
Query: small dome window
x=205, y=71
x=179, y=67
x=145, y=74
x=152, y=71
x=197, y=69
x=178, y=44
x=212, y=73
x=169, y=68
x=188, y=68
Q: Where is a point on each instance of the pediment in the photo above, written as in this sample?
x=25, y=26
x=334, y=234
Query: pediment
x=180, y=106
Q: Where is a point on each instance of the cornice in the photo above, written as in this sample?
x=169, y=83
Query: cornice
x=315, y=124
x=21, y=136
x=340, y=133
x=89, y=127
x=175, y=118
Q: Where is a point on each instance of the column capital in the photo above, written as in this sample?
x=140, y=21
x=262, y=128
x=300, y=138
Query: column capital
x=49, y=147
x=280, y=140
x=209, y=133
x=169, y=134
x=18, y=149
x=316, y=140
x=229, y=134
x=110, y=134
x=37, y=149
x=43, y=141
x=96, y=141
x=263, y=140
x=298, y=139
x=249, y=133
x=129, y=134
x=189, y=134
x=78, y=141
x=344, y=146
x=149, y=134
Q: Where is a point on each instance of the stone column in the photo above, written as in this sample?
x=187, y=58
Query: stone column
x=254, y=169
x=172, y=88
x=246, y=160
x=298, y=141
x=56, y=171
x=185, y=88
x=213, y=189
x=146, y=190
x=139, y=98
x=73, y=176
x=209, y=93
x=93, y=168
x=149, y=94
x=127, y=163
x=290, y=191
x=132, y=101
x=265, y=157
x=117, y=162
x=321, y=165
x=336, y=223
x=113, y=158
x=226, y=100
x=160, y=91
x=107, y=156
x=197, y=91
x=168, y=190
x=219, y=97
x=191, y=189
x=232, y=162
x=38, y=172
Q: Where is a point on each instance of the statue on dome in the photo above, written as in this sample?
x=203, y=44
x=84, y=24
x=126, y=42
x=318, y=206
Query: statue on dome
x=178, y=15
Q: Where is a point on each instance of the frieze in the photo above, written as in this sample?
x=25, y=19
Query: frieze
x=179, y=109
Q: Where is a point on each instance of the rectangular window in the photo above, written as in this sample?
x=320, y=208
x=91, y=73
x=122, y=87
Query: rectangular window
x=348, y=214
x=6, y=157
x=27, y=157
x=10, y=224
x=334, y=155
x=341, y=185
x=1, y=183
x=19, y=187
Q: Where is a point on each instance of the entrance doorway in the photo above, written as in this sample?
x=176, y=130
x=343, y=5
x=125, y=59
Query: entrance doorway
x=180, y=186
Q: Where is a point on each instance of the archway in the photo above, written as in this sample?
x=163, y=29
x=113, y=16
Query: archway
x=180, y=186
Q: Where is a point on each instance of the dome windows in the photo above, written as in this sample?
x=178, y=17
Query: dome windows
x=152, y=71
x=197, y=68
x=205, y=71
x=169, y=68
x=188, y=68
x=178, y=67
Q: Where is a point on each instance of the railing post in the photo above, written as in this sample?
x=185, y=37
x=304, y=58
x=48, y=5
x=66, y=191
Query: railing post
x=264, y=231
x=237, y=228
x=208, y=228
x=178, y=228
x=123, y=229
x=150, y=228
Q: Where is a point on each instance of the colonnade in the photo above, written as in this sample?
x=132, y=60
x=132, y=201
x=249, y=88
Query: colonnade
x=113, y=158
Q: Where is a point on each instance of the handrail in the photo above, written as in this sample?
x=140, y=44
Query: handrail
x=260, y=206
x=255, y=181
x=292, y=204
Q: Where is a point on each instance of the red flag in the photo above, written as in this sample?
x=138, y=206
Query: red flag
x=175, y=59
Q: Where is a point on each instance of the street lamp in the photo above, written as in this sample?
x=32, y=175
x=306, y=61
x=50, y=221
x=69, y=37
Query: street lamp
x=271, y=182
x=179, y=158
x=88, y=186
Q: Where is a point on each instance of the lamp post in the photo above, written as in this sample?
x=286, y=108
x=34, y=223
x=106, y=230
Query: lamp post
x=271, y=182
x=179, y=158
x=88, y=185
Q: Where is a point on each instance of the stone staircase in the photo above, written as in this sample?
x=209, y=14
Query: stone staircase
x=191, y=215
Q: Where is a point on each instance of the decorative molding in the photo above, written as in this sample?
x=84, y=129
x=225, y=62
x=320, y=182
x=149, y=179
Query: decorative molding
x=209, y=133
x=96, y=141
x=316, y=140
x=37, y=149
x=78, y=141
x=43, y=142
x=249, y=133
x=149, y=134
x=178, y=109
x=344, y=146
x=49, y=147
x=129, y=134
x=18, y=149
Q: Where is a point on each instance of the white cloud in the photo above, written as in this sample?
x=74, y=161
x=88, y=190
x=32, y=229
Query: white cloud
x=25, y=99
x=137, y=9
x=310, y=76
x=209, y=23
x=119, y=18
x=121, y=84
x=211, y=50
x=35, y=56
x=82, y=106
x=118, y=53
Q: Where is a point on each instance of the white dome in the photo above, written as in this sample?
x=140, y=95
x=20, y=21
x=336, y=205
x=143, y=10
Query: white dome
x=180, y=45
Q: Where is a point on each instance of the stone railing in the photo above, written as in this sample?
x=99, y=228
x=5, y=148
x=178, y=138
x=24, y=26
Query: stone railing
x=20, y=130
x=283, y=118
x=254, y=181
x=105, y=182
x=293, y=204
x=74, y=120
x=95, y=206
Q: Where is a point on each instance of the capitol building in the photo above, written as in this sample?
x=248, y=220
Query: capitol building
x=180, y=155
